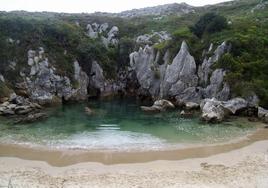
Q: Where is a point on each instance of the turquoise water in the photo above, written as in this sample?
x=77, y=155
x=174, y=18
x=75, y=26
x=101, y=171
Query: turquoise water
x=118, y=125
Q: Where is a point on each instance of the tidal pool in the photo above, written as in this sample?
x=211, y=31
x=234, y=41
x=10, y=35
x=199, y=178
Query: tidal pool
x=119, y=125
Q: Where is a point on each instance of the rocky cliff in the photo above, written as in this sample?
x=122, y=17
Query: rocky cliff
x=183, y=79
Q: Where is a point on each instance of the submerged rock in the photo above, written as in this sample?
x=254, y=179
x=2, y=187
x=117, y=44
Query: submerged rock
x=32, y=118
x=186, y=114
x=89, y=111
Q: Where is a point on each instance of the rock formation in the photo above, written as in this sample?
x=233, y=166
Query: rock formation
x=101, y=30
x=175, y=8
x=181, y=79
x=263, y=114
x=45, y=86
x=155, y=37
x=158, y=106
x=214, y=110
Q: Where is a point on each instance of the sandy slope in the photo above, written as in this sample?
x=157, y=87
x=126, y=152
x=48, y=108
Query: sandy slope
x=246, y=167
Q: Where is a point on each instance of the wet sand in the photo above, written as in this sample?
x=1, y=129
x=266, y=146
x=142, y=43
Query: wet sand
x=246, y=167
x=61, y=158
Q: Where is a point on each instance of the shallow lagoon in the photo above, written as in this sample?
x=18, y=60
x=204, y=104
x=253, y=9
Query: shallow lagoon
x=119, y=125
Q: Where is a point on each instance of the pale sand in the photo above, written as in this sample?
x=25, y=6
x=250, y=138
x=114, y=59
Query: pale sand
x=244, y=167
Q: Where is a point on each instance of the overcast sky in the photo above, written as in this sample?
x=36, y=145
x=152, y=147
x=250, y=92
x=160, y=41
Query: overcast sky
x=89, y=6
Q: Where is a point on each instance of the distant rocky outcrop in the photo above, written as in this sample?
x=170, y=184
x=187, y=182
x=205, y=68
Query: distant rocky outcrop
x=155, y=37
x=108, y=37
x=161, y=10
x=261, y=5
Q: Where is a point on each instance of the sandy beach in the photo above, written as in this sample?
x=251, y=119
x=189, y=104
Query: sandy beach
x=243, y=167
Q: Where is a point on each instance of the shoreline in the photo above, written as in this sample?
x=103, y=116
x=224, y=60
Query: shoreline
x=244, y=167
x=61, y=158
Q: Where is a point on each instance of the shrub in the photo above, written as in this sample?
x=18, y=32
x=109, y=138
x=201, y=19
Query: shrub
x=209, y=23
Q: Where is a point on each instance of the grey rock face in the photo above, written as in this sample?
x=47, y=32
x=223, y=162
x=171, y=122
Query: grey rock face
x=143, y=63
x=99, y=86
x=216, y=81
x=205, y=68
x=112, y=35
x=2, y=79
x=180, y=75
x=180, y=79
x=97, y=79
x=44, y=85
x=80, y=92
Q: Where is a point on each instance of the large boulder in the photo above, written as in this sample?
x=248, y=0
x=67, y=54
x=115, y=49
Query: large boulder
x=158, y=106
x=263, y=114
x=191, y=106
x=215, y=110
x=235, y=105
x=212, y=110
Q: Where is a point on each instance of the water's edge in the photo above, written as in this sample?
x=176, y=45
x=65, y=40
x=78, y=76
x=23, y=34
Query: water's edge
x=61, y=158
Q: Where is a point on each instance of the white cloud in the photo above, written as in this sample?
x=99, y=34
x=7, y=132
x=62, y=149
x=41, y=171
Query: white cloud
x=89, y=6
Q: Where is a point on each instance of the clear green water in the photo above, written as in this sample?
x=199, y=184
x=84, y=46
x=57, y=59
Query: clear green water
x=118, y=125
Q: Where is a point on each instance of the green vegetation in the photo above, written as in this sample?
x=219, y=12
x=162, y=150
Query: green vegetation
x=65, y=42
x=209, y=23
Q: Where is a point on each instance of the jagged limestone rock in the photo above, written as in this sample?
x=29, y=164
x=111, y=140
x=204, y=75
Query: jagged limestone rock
x=143, y=64
x=100, y=30
x=180, y=79
x=45, y=86
x=180, y=75
x=204, y=69
x=80, y=91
